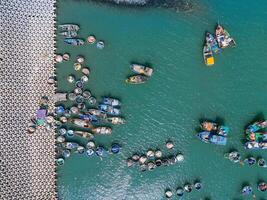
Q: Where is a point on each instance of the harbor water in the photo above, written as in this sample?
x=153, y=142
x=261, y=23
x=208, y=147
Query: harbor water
x=181, y=92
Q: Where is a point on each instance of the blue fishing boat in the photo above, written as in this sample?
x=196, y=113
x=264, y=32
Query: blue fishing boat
x=91, y=118
x=111, y=101
x=255, y=145
x=212, y=43
x=208, y=137
x=74, y=41
x=109, y=109
x=256, y=126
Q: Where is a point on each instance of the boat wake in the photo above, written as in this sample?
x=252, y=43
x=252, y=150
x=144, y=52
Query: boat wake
x=177, y=5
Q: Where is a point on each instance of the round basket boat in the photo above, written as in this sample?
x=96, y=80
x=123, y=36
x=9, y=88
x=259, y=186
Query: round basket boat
x=91, y=39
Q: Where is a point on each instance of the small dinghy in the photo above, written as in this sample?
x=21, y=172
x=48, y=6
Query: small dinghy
x=208, y=56
x=69, y=34
x=102, y=130
x=223, y=37
x=109, y=109
x=111, y=101
x=212, y=43
x=74, y=41
x=116, y=120
x=136, y=79
x=262, y=187
x=233, y=156
x=255, y=145
x=140, y=69
x=69, y=27
x=208, y=137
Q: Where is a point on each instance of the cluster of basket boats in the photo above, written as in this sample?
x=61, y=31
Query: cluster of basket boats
x=70, y=32
x=214, y=133
x=215, y=44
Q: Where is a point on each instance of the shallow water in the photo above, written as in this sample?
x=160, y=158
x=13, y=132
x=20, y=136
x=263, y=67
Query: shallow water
x=169, y=106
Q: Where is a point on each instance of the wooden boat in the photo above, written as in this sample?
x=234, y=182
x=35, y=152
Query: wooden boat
x=208, y=56
x=212, y=43
x=97, y=113
x=255, y=145
x=81, y=123
x=102, y=130
x=69, y=34
x=209, y=126
x=84, y=134
x=208, y=137
x=110, y=110
x=258, y=136
x=69, y=27
x=136, y=79
x=256, y=126
x=111, y=101
x=116, y=120
x=140, y=69
x=223, y=37
x=74, y=41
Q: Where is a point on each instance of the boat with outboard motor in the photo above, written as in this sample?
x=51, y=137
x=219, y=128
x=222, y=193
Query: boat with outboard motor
x=255, y=145
x=136, y=79
x=111, y=101
x=102, y=130
x=223, y=37
x=141, y=69
x=116, y=120
x=208, y=55
x=110, y=110
x=74, y=41
x=69, y=27
x=212, y=43
x=209, y=137
x=69, y=34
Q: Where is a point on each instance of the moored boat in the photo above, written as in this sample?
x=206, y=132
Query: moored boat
x=102, y=130
x=140, y=69
x=136, y=79
x=69, y=34
x=208, y=137
x=81, y=123
x=116, y=120
x=209, y=126
x=97, y=113
x=212, y=43
x=208, y=56
x=111, y=101
x=223, y=37
x=255, y=145
x=74, y=41
x=109, y=109
x=256, y=126
x=84, y=134
x=258, y=136
x=70, y=145
x=69, y=27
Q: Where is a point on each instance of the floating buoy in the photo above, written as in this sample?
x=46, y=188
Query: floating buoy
x=91, y=39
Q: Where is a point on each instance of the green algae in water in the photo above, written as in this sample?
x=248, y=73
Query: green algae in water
x=181, y=91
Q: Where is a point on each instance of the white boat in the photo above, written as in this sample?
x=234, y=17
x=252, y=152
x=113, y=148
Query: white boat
x=140, y=69
x=69, y=27
x=102, y=130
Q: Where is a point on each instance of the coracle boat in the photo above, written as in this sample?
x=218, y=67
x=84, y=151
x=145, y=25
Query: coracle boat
x=212, y=43
x=223, y=37
x=69, y=34
x=209, y=126
x=109, y=109
x=136, y=79
x=208, y=137
x=70, y=145
x=256, y=126
x=74, y=41
x=116, y=120
x=208, y=56
x=140, y=69
x=111, y=101
x=84, y=134
x=233, y=156
x=102, y=130
x=69, y=27
x=255, y=145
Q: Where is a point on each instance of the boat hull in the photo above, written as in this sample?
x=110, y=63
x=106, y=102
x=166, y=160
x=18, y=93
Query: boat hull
x=208, y=137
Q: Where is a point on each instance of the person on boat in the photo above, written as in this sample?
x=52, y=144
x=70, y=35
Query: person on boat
x=262, y=187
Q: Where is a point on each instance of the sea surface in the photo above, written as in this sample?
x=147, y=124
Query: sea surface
x=181, y=91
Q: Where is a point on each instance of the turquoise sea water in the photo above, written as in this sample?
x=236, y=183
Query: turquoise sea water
x=169, y=106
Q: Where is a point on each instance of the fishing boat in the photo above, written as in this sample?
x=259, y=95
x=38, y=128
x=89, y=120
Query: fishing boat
x=208, y=56
x=111, y=101
x=89, y=117
x=84, y=134
x=74, y=41
x=102, y=130
x=223, y=37
x=70, y=145
x=247, y=190
x=209, y=126
x=255, y=145
x=81, y=123
x=208, y=137
x=250, y=161
x=256, y=126
x=101, y=151
x=116, y=120
x=97, y=113
x=69, y=34
x=136, y=79
x=109, y=109
x=257, y=136
x=233, y=156
x=140, y=69
x=262, y=187
x=212, y=43
x=69, y=27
